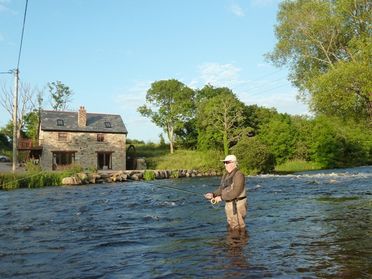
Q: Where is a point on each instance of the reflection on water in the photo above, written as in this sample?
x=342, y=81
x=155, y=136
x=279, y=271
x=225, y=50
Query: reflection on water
x=309, y=225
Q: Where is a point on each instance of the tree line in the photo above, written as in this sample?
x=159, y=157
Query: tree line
x=327, y=47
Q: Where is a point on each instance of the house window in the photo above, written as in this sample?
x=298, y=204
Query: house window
x=100, y=137
x=62, y=136
x=108, y=124
x=60, y=122
x=62, y=158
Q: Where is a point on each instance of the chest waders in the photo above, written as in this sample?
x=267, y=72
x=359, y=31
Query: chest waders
x=226, y=183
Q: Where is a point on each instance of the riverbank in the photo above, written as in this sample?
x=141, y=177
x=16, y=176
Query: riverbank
x=83, y=178
x=9, y=181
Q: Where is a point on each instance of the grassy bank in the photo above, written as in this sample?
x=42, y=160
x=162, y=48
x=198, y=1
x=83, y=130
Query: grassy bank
x=297, y=166
x=35, y=177
x=9, y=181
x=158, y=157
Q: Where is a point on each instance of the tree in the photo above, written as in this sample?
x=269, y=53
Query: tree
x=338, y=143
x=280, y=135
x=169, y=105
x=221, y=118
x=61, y=95
x=327, y=45
x=254, y=156
x=28, y=99
x=5, y=144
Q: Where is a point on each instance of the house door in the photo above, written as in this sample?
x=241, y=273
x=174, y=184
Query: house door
x=104, y=160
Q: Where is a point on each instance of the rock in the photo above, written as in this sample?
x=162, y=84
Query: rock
x=71, y=180
x=83, y=177
x=93, y=177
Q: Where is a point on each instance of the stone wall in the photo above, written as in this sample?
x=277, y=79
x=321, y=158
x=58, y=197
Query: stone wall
x=85, y=146
x=132, y=175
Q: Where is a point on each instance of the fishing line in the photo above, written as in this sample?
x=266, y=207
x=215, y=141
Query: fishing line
x=213, y=202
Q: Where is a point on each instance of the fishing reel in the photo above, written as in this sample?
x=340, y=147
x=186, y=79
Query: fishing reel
x=214, y=201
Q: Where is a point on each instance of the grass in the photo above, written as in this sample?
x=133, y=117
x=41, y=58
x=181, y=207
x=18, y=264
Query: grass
x=297, y=166
x=9, y=181
x=158, y=157
x=191, y=160
x=35, y=177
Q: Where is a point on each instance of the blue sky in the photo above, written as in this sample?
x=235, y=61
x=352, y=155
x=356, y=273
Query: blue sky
x=109, y=52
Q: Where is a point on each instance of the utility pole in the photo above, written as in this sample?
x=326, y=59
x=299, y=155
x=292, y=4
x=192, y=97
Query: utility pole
x=15, y=109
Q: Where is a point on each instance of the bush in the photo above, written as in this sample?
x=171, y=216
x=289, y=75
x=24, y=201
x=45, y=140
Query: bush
x=34, y=180
x=341, y=144
x=148, y=175
x=253, y=156
x=191, y=160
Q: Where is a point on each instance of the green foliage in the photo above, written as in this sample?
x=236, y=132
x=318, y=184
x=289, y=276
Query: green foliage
x=174, y=174
x=327, y=45
x=303, y=138
x=11, y=181
x=31, y=125
x=296, y=165
x=338, y=143
x=61, y=95
x=161, y=140
x=279, y=135
x=254, y=157
x=5, y=144
x=191, y=160
x=344, y=91
x=72, y=170
x=221, y=118
x=134, y=141
x=187, y=136
x=169, y=105
x=148, y=175
x=32, y=168
x=257, y=116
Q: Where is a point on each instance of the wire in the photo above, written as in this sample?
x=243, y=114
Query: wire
x=23, y=30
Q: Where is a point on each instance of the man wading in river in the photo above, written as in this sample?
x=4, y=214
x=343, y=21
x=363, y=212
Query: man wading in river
x=232, y=191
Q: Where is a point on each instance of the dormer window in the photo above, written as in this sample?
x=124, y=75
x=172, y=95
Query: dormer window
x=108, y=124
x=60, y=122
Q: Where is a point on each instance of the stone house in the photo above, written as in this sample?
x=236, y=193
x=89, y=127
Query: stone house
x=91, y=140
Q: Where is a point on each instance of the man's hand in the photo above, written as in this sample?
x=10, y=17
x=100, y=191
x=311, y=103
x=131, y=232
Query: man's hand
x=218, y=199
x=208, y=196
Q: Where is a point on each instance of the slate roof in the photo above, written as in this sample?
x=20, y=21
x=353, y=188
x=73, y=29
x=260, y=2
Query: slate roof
x=95, y=122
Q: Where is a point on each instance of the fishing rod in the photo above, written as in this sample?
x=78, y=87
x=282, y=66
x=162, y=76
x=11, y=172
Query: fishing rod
x=213, y=201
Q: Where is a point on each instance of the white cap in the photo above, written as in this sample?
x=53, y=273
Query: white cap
x=229, y=158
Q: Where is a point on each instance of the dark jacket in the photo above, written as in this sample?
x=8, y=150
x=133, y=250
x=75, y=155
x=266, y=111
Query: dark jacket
x=232, y=186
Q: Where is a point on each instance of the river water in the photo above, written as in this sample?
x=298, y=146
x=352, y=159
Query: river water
x=307, y=225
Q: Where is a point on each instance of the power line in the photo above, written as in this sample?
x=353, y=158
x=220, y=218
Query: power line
x=23, y=30
x=271, y=82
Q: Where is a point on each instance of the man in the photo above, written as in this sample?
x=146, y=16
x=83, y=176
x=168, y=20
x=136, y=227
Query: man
x=232, y=191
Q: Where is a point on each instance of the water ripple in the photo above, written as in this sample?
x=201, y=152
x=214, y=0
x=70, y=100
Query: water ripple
x=306, y=225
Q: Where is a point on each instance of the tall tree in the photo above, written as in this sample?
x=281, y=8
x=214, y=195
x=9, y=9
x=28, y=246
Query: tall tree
x=169, y=104
x=221, y=118
x=328, y=45
x=61, y=95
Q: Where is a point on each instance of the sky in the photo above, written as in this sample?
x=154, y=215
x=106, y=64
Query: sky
x=110, y=52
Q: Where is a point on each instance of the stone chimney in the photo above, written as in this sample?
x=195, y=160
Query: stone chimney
x=82, y=117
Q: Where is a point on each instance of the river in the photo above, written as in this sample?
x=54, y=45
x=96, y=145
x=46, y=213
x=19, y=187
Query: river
x=306, y=225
